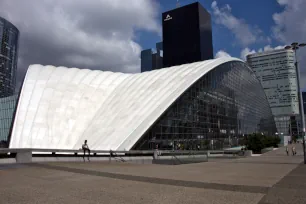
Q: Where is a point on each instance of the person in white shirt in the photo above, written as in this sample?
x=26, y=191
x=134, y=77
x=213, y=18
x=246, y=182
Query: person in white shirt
x=85, y=148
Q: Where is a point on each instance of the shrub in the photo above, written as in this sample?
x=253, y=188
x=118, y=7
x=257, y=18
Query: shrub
x=271, y=141
x=255, y=143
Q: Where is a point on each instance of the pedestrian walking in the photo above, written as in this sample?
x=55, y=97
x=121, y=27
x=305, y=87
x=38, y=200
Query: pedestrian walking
x=293, y=150
x=287, y=150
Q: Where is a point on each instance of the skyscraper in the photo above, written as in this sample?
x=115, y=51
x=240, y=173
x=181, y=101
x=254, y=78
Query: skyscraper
x=187, y=35
x=151, y=60
x=9, y=35
x=277, y=74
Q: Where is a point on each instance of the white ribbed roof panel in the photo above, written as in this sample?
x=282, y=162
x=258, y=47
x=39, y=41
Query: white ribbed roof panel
x=61, y=107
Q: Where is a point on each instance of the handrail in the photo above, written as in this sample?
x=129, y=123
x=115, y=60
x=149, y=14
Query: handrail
x=35, y=150
x=114, y=154
x=17, y=150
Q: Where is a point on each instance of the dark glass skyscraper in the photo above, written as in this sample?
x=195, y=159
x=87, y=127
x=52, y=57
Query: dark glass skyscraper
x=9, y=35
x=187, y=35
x=151, y=60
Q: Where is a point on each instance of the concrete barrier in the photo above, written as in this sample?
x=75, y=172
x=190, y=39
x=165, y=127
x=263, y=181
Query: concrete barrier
x=24, y=156
x=134, y=156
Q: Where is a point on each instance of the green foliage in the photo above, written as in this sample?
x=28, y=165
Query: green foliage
x=271, y=141
x=257, y=142
x=254, y=142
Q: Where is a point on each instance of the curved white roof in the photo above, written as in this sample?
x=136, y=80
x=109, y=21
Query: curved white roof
x=61, y=107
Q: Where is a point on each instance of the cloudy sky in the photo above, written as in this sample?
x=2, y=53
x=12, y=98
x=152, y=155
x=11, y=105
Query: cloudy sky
x=109, y=34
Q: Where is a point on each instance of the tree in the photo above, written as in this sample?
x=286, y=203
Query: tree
x=255, y=143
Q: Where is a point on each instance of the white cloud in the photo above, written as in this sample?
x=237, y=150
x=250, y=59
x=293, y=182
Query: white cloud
x=77, y=33
x=222, y=53
x=246, y=51
x=244, y=33
x=269, y=48
x=290, y=26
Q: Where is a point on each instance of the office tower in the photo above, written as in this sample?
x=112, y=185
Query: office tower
x=187, y=35
x=277, y=74
x=9, y=35
x=151, y=60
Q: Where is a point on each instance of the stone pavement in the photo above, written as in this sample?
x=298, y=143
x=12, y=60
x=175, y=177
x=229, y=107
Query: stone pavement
x=269, y=178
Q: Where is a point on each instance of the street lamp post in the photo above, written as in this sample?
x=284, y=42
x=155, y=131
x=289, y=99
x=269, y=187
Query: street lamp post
x=295, y=46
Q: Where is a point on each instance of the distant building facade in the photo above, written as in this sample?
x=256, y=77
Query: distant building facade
x=187, y=35
x=7, y=112
x=277, y=74
x=151, y=60
x=9, y=36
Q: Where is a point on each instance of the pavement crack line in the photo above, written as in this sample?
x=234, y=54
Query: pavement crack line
x=279, y=185
x=154, y=180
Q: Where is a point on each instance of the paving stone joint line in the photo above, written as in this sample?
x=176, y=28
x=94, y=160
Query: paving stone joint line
x=192, y=184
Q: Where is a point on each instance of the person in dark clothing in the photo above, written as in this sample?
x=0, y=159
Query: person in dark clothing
x=85, y=148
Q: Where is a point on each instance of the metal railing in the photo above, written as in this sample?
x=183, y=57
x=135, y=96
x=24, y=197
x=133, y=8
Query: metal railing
x=176, y=156
x=130, y=152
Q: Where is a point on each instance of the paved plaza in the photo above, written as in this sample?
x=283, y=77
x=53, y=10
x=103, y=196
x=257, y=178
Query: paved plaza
x=270, y=178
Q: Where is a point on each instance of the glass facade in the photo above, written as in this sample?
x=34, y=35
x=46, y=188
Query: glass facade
x=9, y=35
x=216, y=112
x=146, y=60
x=7, y=110
x=287, y=126
x=187, y=35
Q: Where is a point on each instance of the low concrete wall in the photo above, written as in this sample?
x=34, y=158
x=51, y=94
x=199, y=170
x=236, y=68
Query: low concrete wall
x=248, y=153
x=7, y=161
x=265, y=150
x=26, y=156
x=138, y=160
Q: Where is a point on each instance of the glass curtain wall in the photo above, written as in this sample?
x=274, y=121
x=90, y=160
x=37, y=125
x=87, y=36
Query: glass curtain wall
x=216, y=112
x=7, y=110
x=9, y=35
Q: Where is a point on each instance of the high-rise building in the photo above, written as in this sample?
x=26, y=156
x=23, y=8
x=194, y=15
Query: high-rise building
x=151, y=60
x=187, y=35
x=9, y=35
x=277, y=74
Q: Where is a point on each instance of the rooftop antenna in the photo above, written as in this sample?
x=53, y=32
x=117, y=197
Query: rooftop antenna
x=177, y=4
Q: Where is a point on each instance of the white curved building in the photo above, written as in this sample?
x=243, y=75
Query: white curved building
x=60, y=107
